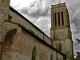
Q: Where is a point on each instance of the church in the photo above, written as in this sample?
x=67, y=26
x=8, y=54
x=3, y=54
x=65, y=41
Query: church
x=22, y=40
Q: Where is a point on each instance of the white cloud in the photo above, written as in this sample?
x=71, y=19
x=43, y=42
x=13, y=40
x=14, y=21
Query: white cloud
x=20, y=3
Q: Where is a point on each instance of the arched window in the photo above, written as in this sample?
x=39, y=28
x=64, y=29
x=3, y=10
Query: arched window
x=57, y=59
x=34, y=53
x=58, y=18
x=51, y=57
x=55, y=20
x=62, y=16
x=60, y=47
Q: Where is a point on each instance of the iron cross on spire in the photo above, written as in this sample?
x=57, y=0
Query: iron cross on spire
x=59, y=1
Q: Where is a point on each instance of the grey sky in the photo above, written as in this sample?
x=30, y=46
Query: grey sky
x=38, y=12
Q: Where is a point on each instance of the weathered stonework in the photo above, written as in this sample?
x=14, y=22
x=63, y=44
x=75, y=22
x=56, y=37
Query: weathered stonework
x=21, y=45
x=21, y=40
x=60, y=30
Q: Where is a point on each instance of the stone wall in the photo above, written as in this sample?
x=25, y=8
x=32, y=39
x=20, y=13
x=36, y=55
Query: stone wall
x=66, y=47
x=22, y=45
x=4, y=10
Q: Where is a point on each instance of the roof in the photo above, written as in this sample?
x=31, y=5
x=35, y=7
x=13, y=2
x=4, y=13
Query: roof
x=12, y=9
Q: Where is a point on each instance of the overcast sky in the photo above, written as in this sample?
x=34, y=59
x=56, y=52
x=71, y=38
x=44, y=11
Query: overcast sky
x=38, y=12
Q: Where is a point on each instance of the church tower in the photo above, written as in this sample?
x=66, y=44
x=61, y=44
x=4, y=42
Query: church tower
x=60, y=30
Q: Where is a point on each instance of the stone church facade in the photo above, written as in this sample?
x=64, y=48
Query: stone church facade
x=22, y=40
